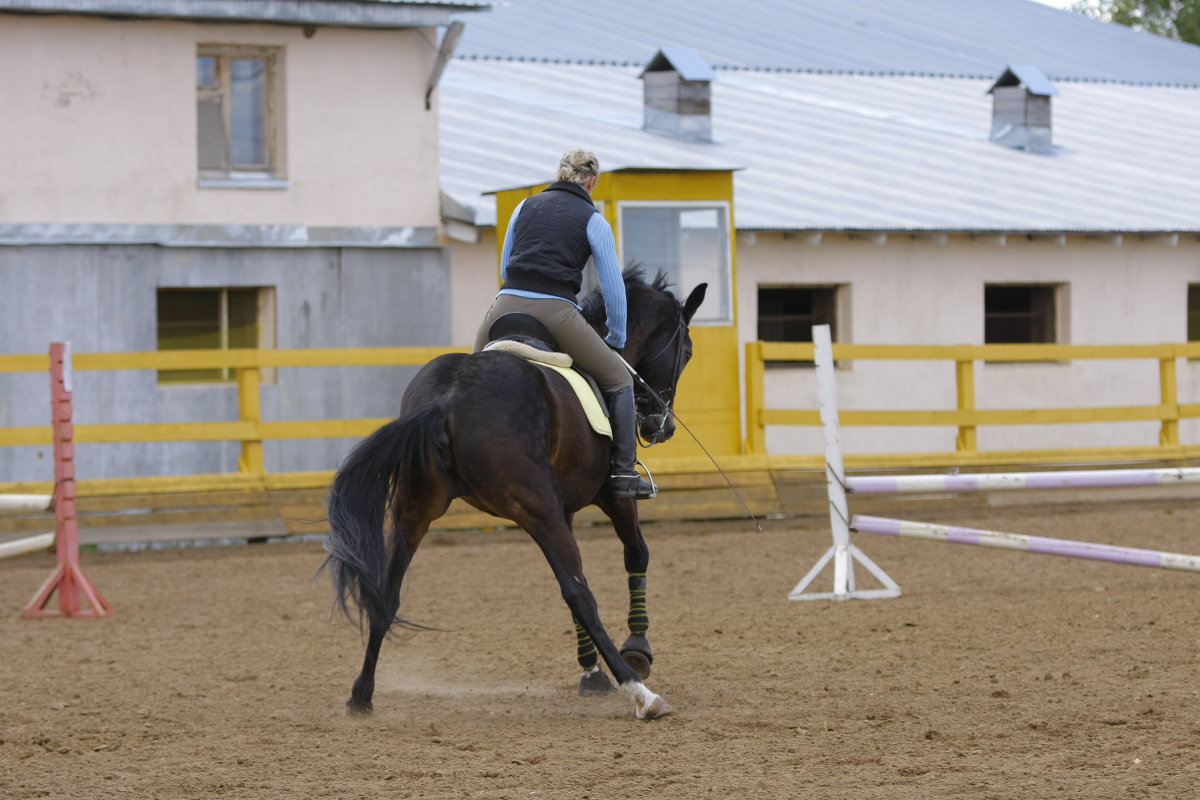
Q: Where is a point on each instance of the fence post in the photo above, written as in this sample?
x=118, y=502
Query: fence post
x=756, y=432
x=250, y=410
x=964, y=373
x=1168, y=385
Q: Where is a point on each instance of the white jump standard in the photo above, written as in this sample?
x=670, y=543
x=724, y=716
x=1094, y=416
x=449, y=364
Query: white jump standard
x=1030, y=544
x=843, y=554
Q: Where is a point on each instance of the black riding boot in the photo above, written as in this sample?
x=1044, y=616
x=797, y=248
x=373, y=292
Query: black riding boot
x=624, y=480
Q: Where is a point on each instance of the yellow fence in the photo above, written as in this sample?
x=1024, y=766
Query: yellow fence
x=251, y=430
x=966, y=417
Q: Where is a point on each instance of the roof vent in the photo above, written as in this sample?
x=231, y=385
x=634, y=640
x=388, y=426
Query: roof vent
x=1021, y=109
x=678, y=95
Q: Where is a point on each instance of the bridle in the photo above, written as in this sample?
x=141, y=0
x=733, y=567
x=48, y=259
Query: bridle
x=666, y=398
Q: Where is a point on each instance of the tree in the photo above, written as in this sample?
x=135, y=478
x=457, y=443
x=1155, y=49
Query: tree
x=1176, y=19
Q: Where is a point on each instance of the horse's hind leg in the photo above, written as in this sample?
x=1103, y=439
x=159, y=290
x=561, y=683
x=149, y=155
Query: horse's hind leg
x=364, y=685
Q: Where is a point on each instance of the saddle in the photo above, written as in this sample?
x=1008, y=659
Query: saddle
x=526, y=337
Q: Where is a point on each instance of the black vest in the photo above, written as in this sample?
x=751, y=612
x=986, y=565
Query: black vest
x=550, y=245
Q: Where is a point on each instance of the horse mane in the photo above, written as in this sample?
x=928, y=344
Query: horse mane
x=635, y=278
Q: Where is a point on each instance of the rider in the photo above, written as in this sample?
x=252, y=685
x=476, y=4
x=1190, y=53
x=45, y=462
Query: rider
x=549, y=239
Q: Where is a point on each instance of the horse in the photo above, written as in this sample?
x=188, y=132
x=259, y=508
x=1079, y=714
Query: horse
x=510, y=438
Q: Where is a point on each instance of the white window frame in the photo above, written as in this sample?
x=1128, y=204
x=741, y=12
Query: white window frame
x=723, y=207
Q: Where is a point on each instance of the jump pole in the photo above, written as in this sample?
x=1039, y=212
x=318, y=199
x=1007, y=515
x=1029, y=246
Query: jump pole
x=31, y=544
x=843, y=554
x=68, y=579
x=1078, y=479
x=1030, y=544
x=25, y=502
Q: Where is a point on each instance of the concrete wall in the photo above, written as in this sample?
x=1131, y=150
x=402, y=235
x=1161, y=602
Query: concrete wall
x=475, y=281
x=99, y=125
x=919, y=291
x=103, y=299
x=98, y=147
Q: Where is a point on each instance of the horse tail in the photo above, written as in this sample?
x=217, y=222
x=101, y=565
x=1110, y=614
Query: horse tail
x=381, y=470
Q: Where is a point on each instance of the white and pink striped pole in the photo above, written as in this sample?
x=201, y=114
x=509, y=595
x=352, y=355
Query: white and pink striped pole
x=1079, y=479
x=1030, y=544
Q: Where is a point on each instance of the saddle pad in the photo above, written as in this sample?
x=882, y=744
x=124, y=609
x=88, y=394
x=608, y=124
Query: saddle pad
x=561, y=363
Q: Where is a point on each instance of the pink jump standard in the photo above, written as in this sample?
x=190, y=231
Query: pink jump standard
x=68, y=579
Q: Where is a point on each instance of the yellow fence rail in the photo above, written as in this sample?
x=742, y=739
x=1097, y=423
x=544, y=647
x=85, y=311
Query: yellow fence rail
x=966, y=417
x=252, y=431
x=249, y=428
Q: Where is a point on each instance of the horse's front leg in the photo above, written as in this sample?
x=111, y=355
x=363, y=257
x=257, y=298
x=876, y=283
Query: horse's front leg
x=562, y=553
x=624, y=516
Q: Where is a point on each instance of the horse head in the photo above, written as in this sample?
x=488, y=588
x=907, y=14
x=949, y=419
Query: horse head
x=659, y=347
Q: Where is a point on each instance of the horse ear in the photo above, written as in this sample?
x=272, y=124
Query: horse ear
x=693, y=302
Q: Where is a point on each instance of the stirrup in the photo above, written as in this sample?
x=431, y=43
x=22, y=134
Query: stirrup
x=634, y=485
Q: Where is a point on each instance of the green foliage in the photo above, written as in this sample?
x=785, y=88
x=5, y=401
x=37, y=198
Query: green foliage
x=1176, y=19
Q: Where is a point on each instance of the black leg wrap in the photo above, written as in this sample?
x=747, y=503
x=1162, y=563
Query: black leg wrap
x=585, y=649
x=639, y=618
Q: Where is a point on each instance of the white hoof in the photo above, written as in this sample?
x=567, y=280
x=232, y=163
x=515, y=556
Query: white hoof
x=647, y=705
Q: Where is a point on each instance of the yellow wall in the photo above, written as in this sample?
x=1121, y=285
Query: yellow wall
x=709, y=392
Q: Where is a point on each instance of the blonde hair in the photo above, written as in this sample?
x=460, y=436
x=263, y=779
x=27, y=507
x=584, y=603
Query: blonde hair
x=577, y=166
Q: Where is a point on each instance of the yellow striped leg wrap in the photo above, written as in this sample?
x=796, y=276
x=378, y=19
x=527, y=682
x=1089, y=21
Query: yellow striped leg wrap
x=639, y=619
x=585, y=649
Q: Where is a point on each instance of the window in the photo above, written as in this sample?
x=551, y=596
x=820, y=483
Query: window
x=238, y=113
x=214, y=319
x=687, y=241
x=1019, y=315
x=788, y=314
x=1193, y=312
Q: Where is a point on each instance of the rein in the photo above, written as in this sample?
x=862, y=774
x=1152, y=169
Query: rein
x=666, y=404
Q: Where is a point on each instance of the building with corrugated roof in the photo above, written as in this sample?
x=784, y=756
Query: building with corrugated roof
x=179, y=174
x=909, y=171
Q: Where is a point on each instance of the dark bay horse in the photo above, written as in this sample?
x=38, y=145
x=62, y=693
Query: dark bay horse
x=511, y=439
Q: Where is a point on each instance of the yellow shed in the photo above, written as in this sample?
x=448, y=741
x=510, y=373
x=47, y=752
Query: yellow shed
x=679, y=221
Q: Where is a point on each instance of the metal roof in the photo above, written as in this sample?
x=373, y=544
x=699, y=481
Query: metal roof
x=962, y=38
x=351, y=13
x=840, y=151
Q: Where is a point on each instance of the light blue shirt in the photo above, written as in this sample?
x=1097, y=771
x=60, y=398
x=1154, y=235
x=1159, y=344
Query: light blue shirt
x=608, y=270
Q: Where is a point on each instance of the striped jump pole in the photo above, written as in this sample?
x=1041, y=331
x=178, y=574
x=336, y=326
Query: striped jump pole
x=1078, y=479
x=25, y=502
x=30, y=544
x=1030, y=544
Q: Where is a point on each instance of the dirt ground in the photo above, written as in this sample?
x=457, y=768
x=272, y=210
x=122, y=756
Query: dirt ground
x=996, y=675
